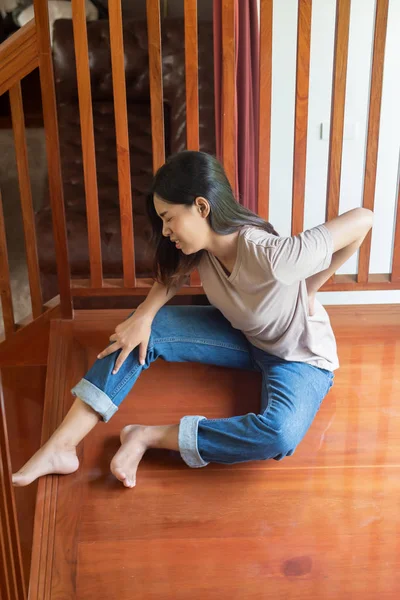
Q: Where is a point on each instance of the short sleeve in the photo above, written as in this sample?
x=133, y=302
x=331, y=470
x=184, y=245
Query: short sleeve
x=298, y=257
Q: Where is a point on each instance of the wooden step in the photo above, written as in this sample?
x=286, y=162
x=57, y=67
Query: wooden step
x=323, y=522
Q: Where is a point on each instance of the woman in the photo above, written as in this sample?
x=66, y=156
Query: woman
x=263, y=317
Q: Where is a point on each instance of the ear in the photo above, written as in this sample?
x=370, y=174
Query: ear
x=203, y=206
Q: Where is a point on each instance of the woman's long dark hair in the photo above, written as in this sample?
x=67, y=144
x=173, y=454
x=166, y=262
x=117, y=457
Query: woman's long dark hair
x=183, y=178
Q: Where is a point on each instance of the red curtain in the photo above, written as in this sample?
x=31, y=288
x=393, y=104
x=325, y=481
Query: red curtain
x=246, y=95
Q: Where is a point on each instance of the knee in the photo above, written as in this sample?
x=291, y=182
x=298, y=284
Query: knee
x=278, y=443
x=285, y=444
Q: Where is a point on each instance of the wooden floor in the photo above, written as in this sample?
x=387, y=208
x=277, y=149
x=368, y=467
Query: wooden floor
x=322, y=524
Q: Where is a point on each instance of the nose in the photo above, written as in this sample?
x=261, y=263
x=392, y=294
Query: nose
x=166, y=229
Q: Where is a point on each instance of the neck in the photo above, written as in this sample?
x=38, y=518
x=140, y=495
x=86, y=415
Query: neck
x=224, y=247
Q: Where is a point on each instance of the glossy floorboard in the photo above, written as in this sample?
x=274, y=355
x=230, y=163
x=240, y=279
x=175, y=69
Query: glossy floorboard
x=322, y=524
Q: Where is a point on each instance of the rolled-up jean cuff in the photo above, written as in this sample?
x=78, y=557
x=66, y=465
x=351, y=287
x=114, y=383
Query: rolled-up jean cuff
x=187, y=439
x=95, y=398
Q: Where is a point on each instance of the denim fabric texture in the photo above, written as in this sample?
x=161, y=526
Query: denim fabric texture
x=292, y=392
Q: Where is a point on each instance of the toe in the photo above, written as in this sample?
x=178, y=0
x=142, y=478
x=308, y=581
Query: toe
x=119, y=474
x=18, y=480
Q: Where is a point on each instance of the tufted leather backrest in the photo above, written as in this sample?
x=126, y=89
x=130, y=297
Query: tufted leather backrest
x=137, y=71
x=140, y=142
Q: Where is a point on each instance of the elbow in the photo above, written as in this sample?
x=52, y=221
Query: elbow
x=367, y=216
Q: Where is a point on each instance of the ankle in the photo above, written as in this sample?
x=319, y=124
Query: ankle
x=161, y=436
x=61, y=445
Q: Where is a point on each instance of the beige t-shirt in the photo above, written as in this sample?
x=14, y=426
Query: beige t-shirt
x=265, y=296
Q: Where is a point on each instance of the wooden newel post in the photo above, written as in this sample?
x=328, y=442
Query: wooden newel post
x=12, y=583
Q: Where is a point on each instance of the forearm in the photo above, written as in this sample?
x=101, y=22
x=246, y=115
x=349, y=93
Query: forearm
x=315, y=282
x=156, y=298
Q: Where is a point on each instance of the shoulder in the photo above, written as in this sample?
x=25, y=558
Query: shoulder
x=257, y=237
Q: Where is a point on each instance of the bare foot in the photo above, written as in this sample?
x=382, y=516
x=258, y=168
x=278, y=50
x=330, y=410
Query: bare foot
x=125, y=463
x=48, y=459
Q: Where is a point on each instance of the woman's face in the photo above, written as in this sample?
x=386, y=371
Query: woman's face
x=186, y=226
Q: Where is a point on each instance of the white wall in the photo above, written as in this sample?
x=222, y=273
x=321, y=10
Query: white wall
x=356, y=114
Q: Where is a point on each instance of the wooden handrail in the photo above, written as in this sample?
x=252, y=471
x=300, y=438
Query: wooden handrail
x=18, y=56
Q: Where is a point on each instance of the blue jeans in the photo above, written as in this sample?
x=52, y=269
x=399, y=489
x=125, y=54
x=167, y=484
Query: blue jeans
x=292, y=392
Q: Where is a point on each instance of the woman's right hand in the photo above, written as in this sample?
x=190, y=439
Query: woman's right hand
x=133, y=332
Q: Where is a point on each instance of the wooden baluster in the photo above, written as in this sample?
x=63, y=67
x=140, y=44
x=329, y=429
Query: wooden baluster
x=264, y=119
x=229, y=91
x=191, y=71
x=337, y=109
x=53, y=156
x=28, y=218
x=87, y=136
x=5, y=287
x=373, y=129
x=12, y=582
x=395, y=276
x=156, y=83
x=192, y=89
x=122, y=138
x=301, y=115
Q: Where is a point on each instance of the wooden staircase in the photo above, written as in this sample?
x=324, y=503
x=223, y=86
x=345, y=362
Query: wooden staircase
x=324, y=520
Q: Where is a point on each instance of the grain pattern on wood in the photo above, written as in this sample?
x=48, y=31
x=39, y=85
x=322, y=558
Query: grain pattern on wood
x=53, y=156
x=348, y=283
x=114, y=287
x=5, y=286
x=264, y=119
x=375, y=101
x=156, y=83
x=28, y=217
x=23, y=389
x=46, y=551
x=12, y=583
x=229, y=92
x=194, y=519
x=191, y=72
x=18, y=56
x=337, y=107
x=87, y=137
x=122, y=139
x=28, y=346
x=301, y=114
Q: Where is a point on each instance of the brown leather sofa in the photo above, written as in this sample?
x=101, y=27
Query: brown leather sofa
x=138, y=98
